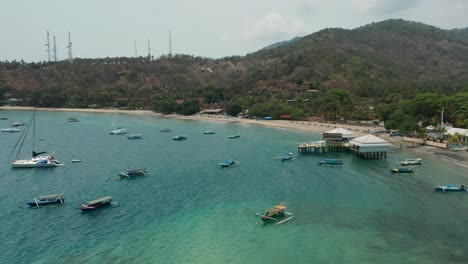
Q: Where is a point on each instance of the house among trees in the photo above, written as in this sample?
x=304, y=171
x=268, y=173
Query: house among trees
x=461, y=133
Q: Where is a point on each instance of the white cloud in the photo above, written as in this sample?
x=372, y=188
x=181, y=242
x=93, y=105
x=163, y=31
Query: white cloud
x=274, y=26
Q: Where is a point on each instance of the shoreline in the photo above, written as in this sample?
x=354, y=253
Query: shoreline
x=459, y=158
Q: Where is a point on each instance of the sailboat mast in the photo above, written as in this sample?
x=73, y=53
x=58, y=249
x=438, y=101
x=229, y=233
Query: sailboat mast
x=34, y=130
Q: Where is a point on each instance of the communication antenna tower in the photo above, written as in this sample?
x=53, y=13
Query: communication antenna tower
x=69, y=46
x=136, y=53
x=55, y=51
x=170, y=44
x=48, y=46
x=149, y=50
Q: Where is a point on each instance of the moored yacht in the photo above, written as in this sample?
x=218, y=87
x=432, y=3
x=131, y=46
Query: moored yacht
x=119, y=131
x=43, y=161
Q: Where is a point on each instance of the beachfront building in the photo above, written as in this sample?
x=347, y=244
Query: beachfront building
x=211, y=111
x=339, y=135
x=462, y=132
x=370, y=147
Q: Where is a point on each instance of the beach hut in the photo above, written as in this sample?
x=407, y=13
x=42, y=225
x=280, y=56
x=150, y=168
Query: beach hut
x=339, y=134
x=370, y=147
x=337, y=139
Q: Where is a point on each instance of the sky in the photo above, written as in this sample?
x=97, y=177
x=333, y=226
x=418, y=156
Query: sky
x=207, y=28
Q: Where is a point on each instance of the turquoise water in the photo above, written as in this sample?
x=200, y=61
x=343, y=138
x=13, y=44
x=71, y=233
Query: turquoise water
x=189, y=210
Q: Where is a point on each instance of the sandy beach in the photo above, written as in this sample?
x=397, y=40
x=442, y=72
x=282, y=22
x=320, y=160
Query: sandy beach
x=459, y=158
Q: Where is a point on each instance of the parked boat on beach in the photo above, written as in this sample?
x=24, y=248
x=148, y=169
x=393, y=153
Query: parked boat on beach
x=451, y=188
x=119, y=131
x=402, y=170
x=331, y=162
x=96, y=204
x=133, y=173
x=135, y=136
x=457, y=147
x=209, y=132
x=409, y=162
x=178, y=138
x=47, y=200
x=10, y=129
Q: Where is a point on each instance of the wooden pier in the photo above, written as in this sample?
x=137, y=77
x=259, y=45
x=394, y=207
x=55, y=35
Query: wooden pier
x=314, y=147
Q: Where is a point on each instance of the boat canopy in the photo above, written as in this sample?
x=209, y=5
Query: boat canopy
x=103, y=199
x=51, y=196
x=281, y=207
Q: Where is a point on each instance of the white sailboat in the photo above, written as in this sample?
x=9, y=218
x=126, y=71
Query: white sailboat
x=37, y=160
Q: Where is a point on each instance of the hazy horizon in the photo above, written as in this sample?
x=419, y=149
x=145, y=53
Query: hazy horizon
x=207, y=28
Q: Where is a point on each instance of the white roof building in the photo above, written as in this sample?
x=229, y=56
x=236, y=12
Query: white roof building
x=461, y=131
x=370, y=143
x=344, y=133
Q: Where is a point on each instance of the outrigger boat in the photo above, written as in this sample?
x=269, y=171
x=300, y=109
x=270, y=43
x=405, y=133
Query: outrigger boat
x=209, y=132
x=119, y=131
x=47, y=200
x=96, y=204
x=234, y=136
x=451, y=188
x=402, y=170
x=408, y=162
x=17, y=124
x=275, y=214
x=135, y=136
x=178, y=138
x=288, y=156
x=73, y=119
x=331, y=162
x=10, y=129
x=133, y=173
x=228, y=163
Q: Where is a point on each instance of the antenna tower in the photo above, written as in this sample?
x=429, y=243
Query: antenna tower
x=69, y=46
x=170, y=44
x=48, y=46
x=55, y=51
x=136, y=53
x=149, y=50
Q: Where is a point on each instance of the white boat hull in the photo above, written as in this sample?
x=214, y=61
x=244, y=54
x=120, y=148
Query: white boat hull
x=32, y=164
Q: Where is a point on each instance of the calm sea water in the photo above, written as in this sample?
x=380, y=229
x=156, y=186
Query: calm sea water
x=189, y=210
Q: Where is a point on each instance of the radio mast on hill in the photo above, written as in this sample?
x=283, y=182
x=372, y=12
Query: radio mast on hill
x=149, y=50
x=69, y=46
x=48, y=46
x=170, y=44
x=55, y=51
x=136, y=53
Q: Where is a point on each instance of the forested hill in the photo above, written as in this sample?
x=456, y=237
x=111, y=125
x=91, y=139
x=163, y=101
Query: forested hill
x=380, y=63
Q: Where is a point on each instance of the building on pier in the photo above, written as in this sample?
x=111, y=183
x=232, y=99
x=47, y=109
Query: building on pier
x=369, y=147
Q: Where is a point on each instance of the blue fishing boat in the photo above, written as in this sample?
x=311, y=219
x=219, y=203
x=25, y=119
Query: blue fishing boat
x=96, y=204
x=228, y=163
x=402, y=170
x=47, y=200
x=331, y=162
x=451, y=188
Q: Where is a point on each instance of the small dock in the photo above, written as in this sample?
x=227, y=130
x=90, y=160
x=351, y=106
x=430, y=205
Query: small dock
x=314, y=147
